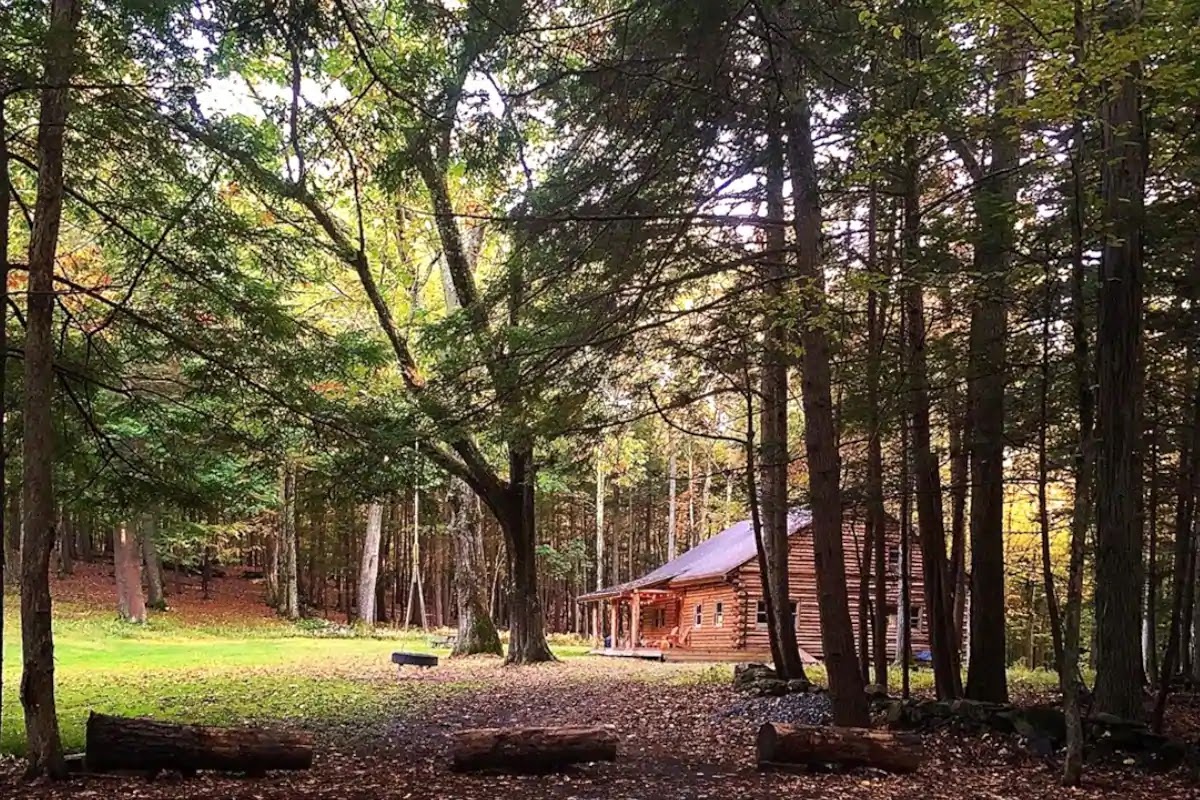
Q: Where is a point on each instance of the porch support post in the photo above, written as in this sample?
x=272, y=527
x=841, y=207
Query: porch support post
x=635, y=620
x=613, y=605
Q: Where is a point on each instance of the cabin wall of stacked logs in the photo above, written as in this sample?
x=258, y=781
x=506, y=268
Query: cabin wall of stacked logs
x=739, y=593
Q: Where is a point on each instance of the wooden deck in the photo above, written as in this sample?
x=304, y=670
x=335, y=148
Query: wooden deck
x=684, y=654
x=644, y=653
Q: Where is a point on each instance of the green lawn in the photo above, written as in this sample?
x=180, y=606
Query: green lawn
x=263, y=671
x=217, y=674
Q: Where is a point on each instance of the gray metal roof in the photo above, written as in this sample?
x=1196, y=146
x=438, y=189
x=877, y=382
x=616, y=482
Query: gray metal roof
x=712, y=558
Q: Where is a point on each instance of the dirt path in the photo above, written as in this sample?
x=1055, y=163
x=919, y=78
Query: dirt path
x=678, y=741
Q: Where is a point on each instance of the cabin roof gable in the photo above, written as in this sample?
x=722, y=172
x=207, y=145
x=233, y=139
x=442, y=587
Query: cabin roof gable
x=710, y=560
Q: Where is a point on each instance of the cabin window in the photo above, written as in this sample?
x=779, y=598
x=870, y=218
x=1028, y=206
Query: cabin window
x=719, y=614
x=914, y=618
x=699, y=614
x=893, y=558
x=760, y=614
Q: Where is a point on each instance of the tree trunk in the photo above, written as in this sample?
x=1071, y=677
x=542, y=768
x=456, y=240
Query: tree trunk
x=773, y=457
x=416, y=585
x=368, y=573
x=1189, y=470
x=691, y=493
x=12, y=536
x=789, y=746
x=156, y=597
x=995, y=200
x=876, y=515
x=289, y=590
x=527, y=634
x=1044, y=479
x=672, y=537
x=476, y=631
x=756, y=522
x=939, y=613
x=271, y=571
x=1189, y=465
x=820, y=435
x=127, y=565
x=1072, y=682
x=531, y=749
x=1150, y=604
x=44, y=748
x=83, y=541
x=960, y=476
x=599, y=519
x=121, y=743
x=1195, y=643
x=1119, y=385
x=9, y=566
x=904, y=591
x=65, y=536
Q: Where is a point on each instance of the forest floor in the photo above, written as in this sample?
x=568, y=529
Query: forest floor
x=684, y=732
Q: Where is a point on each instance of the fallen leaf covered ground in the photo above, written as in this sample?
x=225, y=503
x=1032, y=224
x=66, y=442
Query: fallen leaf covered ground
x=684, y=732
x=678, y=740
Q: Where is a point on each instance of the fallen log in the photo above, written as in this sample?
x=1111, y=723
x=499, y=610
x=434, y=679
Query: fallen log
x=791, y=746
x=143, y=745
x=531, y=749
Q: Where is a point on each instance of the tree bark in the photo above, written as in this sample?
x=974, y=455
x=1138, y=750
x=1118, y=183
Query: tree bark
x=9, y=566
x=476, y=631
x=773, y=457
x=930, y=525
x=820, y=435
x=960, y=476
x=599, y=519
x=1119, y=385
x=83, y=540
x=1044, y=480
x=12, y=536
x=155, y=596
x=368, y=572
x=531, y=749
x=995, y=208
x=65, y=539
x=44, y=747
x=876, y=515
x=271, y=570
x=1185, y=515
x=127, y=565
x=1072, y=682
x=121, y=743
x=904, y=591
x=790, y=746
x=416, y=585
x=756, y=521
x=289, y=590
x=672, y=537
x=1150, y=604
x=527, y=635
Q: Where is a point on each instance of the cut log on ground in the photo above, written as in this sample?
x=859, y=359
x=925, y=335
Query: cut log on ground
x=143, y=745
x=792, y=746
x=531, y=749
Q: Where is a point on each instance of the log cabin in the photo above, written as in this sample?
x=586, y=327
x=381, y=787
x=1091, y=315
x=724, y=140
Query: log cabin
x=707, y=604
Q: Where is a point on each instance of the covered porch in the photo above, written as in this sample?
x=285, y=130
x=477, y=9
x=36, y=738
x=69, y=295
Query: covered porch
x=636, y=622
